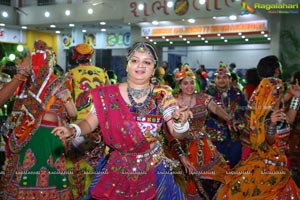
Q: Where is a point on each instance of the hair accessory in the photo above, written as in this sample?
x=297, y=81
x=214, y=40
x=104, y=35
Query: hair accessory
x=184, y=72
x=222, y=69
x=143, y=47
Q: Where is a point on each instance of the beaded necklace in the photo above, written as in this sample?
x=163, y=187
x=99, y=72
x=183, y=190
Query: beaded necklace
x=225, y=98
x=143, y=108
x=137, y=93
x=184, y=103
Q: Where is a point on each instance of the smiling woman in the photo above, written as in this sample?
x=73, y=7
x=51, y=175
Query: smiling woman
x=136, y=166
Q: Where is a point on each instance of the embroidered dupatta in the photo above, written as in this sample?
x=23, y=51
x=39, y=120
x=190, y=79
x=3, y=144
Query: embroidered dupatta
x=125, y=175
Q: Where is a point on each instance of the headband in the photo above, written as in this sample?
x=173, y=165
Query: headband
x=143, y=47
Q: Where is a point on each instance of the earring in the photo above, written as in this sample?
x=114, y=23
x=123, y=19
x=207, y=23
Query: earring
x=153, y=80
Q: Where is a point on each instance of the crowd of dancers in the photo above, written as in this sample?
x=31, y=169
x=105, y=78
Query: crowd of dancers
x=158, y=135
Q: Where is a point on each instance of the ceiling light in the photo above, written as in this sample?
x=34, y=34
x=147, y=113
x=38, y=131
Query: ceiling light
x=4, y=14
x=206, y=41
x=269, y=38
x=202, y=2
x=147, y=37
x=67, y=12
x=12, y=57
x=141, y=6
x=58, y=32
x=163, y=37
x=184, y=39
x=24, y=27
x=243, y=36
x=246, y=39
x=199, y=36
x=170, y=4
x=90, y=11
x=154, y=43
x=171, y=42
x=151, y=40
x=2, y=24
x=102, y=23
x=239, y=33
x=191, y=21
x=155, y=22
x=167, y=40
x=52, y=26
x=47, y=14
x=84, y=31
x=20, y=48
x=222, y=38
x=202, y=38
x=265, y=35
x=219, y=34
x=188, y=42
x=128, y=23
x=214, y=17
x=180, y=36
x=103, y=29
x=232, y=17
x=262, y=32
x=225, y=40
x=71, y=25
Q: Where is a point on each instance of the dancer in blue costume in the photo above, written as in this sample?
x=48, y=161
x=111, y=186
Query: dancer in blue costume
x=233, y=101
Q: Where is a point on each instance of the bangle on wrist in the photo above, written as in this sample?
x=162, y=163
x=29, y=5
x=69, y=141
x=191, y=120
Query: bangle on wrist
x=176, y=147
x=77, y=130
x=179, y=128
x=295, y=103
x=270, y=130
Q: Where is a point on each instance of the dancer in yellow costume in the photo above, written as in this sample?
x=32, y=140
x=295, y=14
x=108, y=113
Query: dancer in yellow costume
x=85, y=77
x=264, y=174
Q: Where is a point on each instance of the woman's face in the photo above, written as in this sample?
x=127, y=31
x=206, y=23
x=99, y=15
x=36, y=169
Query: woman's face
x=140, y=66
x=187, y=86
x=222, y=81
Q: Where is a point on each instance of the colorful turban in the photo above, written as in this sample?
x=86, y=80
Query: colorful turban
x=184, y=72
x=83, y=52
x=222, y=69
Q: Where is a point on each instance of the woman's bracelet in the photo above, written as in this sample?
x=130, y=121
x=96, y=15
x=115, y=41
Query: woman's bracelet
x=179, y=128
x=77, y=130
x=295, y=103
x=270, y=130
x=175, y=145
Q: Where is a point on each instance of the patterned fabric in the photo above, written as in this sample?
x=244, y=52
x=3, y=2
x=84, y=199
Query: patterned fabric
x=35, y=158
x=234, y=103
x=132, y=169
x=264, y=174
x=201, y=153
x=85, y=78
